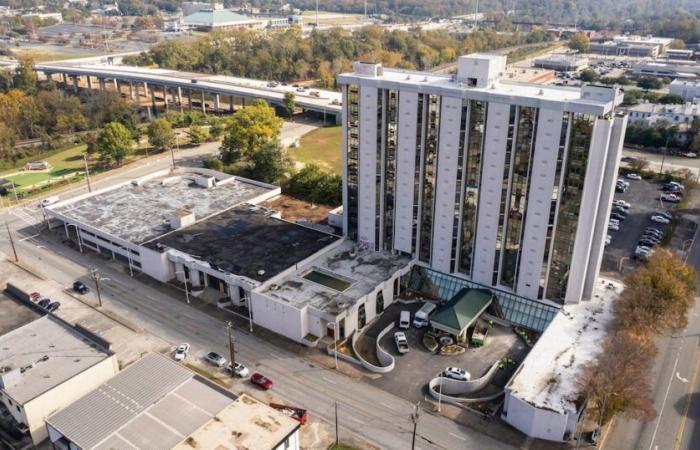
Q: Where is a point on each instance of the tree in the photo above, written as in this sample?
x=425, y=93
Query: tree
x=248, y=129
x=70, y=122
x=289, y=103
x=579, y=42
x=647, y=83
x=114, y=143
x=314, y=185
x=270, y=163
x=8, y=137
x=588, y=75
x=668, y=99
x=198, y=134
x=639, y=164
x=677, y=44
x=25, y=76
x=161, y=134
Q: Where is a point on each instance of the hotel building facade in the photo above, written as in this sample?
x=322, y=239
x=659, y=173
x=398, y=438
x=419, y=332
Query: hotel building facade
x=505, y=184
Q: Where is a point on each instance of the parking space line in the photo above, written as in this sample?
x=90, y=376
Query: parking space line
x=329, y=380
x=355, y=419
x=457, y=436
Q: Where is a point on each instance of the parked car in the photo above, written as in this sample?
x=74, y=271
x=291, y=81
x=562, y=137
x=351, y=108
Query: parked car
x=623, y=182
x=658, y=218
x=647, y=243
x=642, y=253
x=617, y=216
x=633, y=176
x=651, y=237
x=405, y=320
x=456, y=374
x=48, y=201
x=675, y=184
x=422, y=316
x=666, y=214
x=53, y=306
x=622, y=204
x=672, y=198
x=80, y=288
x=44, y=302
x=401, y=342
x=620, y=209
x=238, y=370
x=216, y=359
x=613, y=226
x=35, y=296
x=182, y=351
x=261, y=381
x=608, y=239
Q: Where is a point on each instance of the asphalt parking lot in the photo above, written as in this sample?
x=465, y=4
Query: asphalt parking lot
x=643, y=196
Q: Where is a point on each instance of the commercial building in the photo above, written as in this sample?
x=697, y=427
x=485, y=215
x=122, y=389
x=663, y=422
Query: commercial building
x=158, y=403
x=219, y=19
x=571, y=64
x=45, y=365
x=688, y=89
x=672, y=53
x=632, y=45
x=505, y=184
x=676, y=69
x=649, y=114
x=189, y=8
x=544, y=399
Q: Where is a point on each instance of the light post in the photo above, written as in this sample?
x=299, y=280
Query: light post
x=440, y=395
x=14, y=191
x=87, y=172
x=96, y=277
x=187, y=292
x=619, y=266
x=686, y=251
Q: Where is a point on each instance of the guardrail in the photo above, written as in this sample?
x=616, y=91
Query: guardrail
x=384, y=358
x=444, y=389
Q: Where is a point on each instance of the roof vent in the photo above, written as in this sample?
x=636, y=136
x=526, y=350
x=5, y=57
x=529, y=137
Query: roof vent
x=261, y=272
x=205, y=182
x=181, y=218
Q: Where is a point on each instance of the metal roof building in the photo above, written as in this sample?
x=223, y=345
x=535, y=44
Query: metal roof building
x=219, y=19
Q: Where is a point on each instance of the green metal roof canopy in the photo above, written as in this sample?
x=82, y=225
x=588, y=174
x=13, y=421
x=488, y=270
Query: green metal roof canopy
x=462, y=310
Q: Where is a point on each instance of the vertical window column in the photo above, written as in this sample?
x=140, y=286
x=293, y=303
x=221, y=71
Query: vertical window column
x=390, y=132
x=417, y=175
x=353, y=148
x=429, y=171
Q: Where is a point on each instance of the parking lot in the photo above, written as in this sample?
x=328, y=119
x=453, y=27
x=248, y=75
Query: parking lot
x=416, y=368
x=643, y=196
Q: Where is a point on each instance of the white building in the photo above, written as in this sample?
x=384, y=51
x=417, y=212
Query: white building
x=650, y=114
x=158, y=403
x=193, y=7
x=544, y=399
x=632, y=45
x=47, y=364
x=506, y=184
x=688, y=89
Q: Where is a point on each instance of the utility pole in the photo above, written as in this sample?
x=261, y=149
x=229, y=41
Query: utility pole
x=316, y=14
x=414, y=419
x=87, y=172
x=12, y=241
x=231, y=348
x=95, y=275
x=336, y=422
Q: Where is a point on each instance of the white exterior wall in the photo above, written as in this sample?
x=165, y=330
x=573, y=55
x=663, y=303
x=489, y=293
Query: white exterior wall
x=493, y=160
x=279, y=317
x=367, y=167
x=544, y=165
x=38, y=409
x=592, y=187
x=344, y=157
x=292, y=442
x=405, y=170
x=534, y=422
x=448, y=152
x=612, y=165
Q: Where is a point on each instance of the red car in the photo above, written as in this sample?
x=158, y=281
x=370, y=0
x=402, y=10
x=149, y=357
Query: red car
x=261, y=381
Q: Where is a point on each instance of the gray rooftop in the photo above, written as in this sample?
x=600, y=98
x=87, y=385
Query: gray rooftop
x=155, y=403
x=139, y=212
x=364, y=271
x=49, y=352
x=245, y=240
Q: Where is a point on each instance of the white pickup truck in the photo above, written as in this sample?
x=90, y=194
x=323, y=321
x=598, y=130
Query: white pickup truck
x=401, y=342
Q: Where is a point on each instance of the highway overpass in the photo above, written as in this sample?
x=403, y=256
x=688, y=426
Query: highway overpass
x=176, y=89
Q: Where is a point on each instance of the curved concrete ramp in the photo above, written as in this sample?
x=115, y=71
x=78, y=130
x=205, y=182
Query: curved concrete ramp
x=450, y=388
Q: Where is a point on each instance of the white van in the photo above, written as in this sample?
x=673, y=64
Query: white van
x=48, y=201
x=422, y=317
x=405, y=320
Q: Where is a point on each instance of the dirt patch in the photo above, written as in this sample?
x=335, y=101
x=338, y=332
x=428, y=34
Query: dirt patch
x=293, y=209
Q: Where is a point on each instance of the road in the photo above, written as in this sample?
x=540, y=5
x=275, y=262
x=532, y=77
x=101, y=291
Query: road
x=380, y=417
x=669, y=162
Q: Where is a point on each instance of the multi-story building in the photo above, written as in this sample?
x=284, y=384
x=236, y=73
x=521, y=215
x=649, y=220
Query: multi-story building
x=505, y=184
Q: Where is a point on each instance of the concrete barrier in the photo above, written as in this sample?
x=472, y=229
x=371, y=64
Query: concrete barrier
x=451, y=387
x=384, y=358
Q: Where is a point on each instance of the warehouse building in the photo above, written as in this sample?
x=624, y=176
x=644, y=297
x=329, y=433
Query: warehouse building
x=560, y=64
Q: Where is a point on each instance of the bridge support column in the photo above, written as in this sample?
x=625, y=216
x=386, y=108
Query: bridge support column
x=230, y=103
x=243, y=102
x=179, y=98
x=89, y=82
x=101, y=81
x=216, y=103
x=165, y=96
x=116, y=86
x=153, y=102
x=204, y=105
x=189, y=99
x=131, y=91
x=137, y=98
x=76, y=79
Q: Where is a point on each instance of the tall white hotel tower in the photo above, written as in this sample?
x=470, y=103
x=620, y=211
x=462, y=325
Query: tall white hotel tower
x=506, y=184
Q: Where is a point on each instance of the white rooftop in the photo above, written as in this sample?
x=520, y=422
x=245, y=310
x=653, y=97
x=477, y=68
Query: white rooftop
x=47, y=353
x=550, y=376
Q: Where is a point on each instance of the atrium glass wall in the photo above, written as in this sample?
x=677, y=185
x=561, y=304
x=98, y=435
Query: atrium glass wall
x=390, y=166
x=420, y=114
x=429, y=171
x=517, y=204
x=507, y=167
x=459, y=191
x=352, y=155
x=472, y=179
x=569, y=206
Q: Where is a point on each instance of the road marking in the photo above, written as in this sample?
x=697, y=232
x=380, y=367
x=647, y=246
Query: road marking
x=606, y=432
x=354, y=419
x=457, y=436
x=329, y=380
x=29, y=237
x=663, y=405
x=688, y=398
x=678, y=375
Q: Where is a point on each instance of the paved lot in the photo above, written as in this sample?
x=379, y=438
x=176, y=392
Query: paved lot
x=644, y=197
x=413, y=370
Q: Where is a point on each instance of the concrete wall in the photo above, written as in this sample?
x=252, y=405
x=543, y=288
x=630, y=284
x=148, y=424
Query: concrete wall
x=278, y=317
x=367, y=166
x=292, y=442
x=405, y=169
x=534, y=422
x=156, y=265
x=38, y=409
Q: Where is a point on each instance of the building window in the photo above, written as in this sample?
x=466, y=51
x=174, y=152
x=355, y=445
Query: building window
x=390, y=131
x=380, y=302
x=417, y=172
x=352, y=157
x=472, y=179
x=361, y=316
x=505, y=184
x=569, y=206
x=458, y=183
x=378, y=169
x=517, y=203
x=429, y=170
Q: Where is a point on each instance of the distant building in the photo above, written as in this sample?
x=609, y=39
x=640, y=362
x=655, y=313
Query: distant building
x=632, y=45
x=688, y=89
x=58, y=17
x=47, y=364
x=669, y=69
x=672, y=53
x=219, y=19
x=189, y=8
x=650, y=114
x=158, y=403
x=571, y=64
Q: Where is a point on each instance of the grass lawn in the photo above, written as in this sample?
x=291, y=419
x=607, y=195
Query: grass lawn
x=321, y=147
x=341, y=446
x=44, y=55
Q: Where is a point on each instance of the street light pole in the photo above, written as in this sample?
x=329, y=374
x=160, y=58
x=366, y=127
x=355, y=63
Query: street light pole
x=440, y=396
x=231, y=348
x=414, y=418
x=95, y=274
x=12, y=241
x=87, y=172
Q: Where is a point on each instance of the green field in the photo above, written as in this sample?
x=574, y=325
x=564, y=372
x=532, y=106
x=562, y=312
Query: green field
x=321, y=147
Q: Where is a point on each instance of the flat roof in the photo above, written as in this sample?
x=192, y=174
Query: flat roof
x=363, y=269
x=245, y=424
x=246, y=240
x=14, y=314
x=47, y=353
x=550, y=376
x=141, y=210
x=153, y=403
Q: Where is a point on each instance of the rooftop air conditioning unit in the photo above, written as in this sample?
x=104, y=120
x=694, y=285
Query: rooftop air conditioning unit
x=182, y=218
